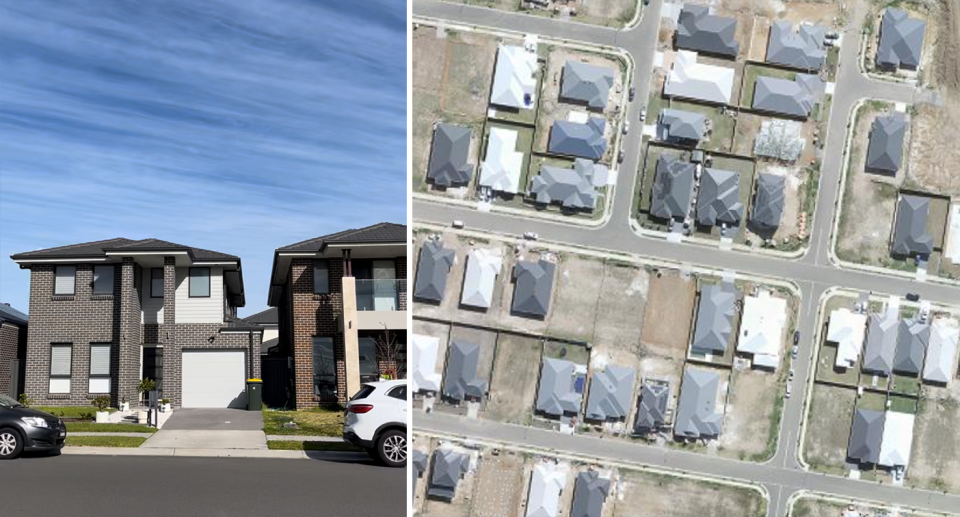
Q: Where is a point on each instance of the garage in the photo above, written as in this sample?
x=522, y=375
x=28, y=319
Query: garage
x=214, y=379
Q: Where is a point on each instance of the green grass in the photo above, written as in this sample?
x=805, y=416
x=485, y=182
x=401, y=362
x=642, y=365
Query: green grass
x=574, y=353
x=903, y=404
x=323, y=421
x=104, y=441
x=69, y=411
x=872, y=401
x=89, y=427
x=722, y=137
x=296, y=445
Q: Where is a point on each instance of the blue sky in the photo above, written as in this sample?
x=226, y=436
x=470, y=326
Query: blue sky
x=233, y=125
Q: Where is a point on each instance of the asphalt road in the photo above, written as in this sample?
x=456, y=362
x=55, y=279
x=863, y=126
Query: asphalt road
x=93, y=486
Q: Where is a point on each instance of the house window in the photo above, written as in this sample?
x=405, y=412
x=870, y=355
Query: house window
x=321, y=277
x=66, y=280
x=103, y=280
x=61, y=363
x=199, y=282
x=156, y=282
x=324, y=369
x=369, y=369
x=100, y=368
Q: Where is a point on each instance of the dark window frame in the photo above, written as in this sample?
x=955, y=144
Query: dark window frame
x=108, y=375
x=333, y=353
x=51, y=376
x=326, y=267
x=152, y=270
x=190, y=283
x=55, y=268
x=93, y=284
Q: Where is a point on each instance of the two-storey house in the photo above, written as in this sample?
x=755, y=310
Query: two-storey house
x=341, y=303
x=106, y=314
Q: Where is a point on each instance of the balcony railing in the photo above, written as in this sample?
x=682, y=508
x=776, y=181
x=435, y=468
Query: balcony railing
x=380, y=295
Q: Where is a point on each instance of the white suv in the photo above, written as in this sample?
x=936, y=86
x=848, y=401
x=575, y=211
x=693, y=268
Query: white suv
x=376, y=420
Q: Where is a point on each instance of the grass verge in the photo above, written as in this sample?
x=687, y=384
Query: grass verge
x=70, y=411
x=321, y=421
x=297, y=445
x=88, y=427
x=104, y=441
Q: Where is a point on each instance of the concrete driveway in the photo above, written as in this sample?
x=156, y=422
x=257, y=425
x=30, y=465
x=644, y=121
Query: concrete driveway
x=214, y=420
x=210, y=429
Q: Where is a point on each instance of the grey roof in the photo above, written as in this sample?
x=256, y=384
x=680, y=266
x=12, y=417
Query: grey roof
x=432, y=270
x=865, y=433
x=714, y=318
x=652, y=407
x=791, y=98
x=9, y=314
x=680, y=126
x=912, y=339
x=534, y=287
x=802, y=49
x=610, y=393
x=699, y=30
x=448, y=466
x=267, y=317
x=576, y=139
x=719, y=198
x=768, y=203
x=672, y=188
x=881, y=344
x=901, y=40
x=696, y=416
x=100, y=248
x=910, y=237
x=460, y=377
x=557, y=394
x=885, y=150
x=587, y=84
x=589, y=494
x=570, y=187
x=380, y=233
x=419, y=466
x=448, y=158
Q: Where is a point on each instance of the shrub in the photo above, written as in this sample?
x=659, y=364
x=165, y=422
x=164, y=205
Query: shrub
x=25, y=400
x=146, y=385
x=164, y=401
x=102, y=402
x=85, y=415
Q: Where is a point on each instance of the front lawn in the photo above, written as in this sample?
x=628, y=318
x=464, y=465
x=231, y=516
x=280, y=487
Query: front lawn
x=90, y=427
x=104, y=441
x=70, y=411
x=310, y=422
x=295, y=445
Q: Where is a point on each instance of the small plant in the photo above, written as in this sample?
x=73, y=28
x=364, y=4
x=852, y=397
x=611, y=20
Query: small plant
x=25, y=400
x=164, y=401
x=146, y=386
x=86, y=415
x=123, y=400
x=102, y=402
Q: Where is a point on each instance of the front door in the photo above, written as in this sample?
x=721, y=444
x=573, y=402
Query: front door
x=153, y=366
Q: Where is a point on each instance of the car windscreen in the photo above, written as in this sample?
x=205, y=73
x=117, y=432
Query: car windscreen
x=364, y=392
x=6, y=401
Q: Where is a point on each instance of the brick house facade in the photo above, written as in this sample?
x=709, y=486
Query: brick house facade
x=13, y=349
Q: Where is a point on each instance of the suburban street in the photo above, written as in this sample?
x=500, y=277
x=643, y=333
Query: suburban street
x=814, y=272
x=91, y=486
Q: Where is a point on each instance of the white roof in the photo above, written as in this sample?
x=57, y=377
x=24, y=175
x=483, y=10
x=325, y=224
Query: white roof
x=546, y=484
x=942, y=350
x=897, y=440
x=483, y=266
x=514, y=77
x=847, y=330
x=761, y=328
x=425, y=376
x=952, y=249
x=500, y=169
x=699, y=81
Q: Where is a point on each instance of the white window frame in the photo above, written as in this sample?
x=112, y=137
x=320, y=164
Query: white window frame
x=57, y=274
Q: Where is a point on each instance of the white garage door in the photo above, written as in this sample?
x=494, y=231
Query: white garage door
x=214, y=378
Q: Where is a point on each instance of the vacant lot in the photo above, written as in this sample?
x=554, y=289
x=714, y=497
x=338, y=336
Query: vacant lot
x=609, y=13
x=828, y=428
x=658, y=495
x=668, y=315
x=935, y=462
x=753, y=414
x=575, y=301
x=933, y=147
x=809, y=506
x=623, y=297
x=514, y=385
x=498, y=491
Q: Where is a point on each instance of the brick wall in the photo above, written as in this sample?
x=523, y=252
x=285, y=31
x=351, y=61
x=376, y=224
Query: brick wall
x=204, y=336
x=9, y=339
x=131, y=330
x=315, y=315
x=401, y=266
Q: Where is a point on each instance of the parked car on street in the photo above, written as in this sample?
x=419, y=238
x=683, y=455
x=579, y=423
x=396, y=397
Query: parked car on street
x=632, y=93
x=626, y=126
x=530, y=236
x=794, y=351
x=376, y=420
x=643, y=113
x=28, y=430
x=913, y=297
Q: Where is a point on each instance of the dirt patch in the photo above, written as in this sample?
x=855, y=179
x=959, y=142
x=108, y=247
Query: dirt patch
x=935, y=462
x=823, y=12
x=656, y=495
x=933, y=149
x=828, y=428
x=946, y=66
x=623, y=296
x=750, y=407
x=575, y=302
x=668, y=315
x=612, y=13
x=514, y=385
x=499, y=482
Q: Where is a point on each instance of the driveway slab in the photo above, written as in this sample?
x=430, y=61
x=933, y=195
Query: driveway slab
x=214, y=420
x=183, y=439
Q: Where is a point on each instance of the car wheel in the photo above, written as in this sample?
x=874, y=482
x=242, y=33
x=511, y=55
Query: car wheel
x=11, y=445
x=392, y=448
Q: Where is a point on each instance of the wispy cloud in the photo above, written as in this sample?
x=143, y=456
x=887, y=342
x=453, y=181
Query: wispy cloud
x=233, y=125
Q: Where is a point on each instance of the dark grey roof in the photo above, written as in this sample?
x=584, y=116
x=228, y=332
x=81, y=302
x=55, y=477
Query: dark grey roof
x=610, y=393
x=714, y=318
x=448, y=467
x=236, y=323
x=100, y=248
x=768, y=203
x=791, y=98
x=586, y=84
x=910, y=237
x=557, y=394
x=432, y=270
x=385, y=233
x=699, y=30
x=534, y=287
x=419, y=466
x=885, y=150
x=719, y=198
x=696, y=416
x=448, y=158
x=865, y=434
x=589, y=494
x=802, y=49
x=881, y=344
x=267, y=317
x=576, y=139
x=652, y=407
x=570, y=187
x=912, y=339
x=460, y=378
x=901, y=40
x=672, y=188
x=10, y=315
x=680, y=126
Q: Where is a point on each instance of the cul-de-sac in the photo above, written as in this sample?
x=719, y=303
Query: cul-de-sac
x=686, y=258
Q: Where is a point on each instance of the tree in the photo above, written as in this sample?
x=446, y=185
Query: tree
x=391, y=356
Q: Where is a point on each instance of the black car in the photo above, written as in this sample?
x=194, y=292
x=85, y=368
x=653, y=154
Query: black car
x=24, y=429
x=913, y=297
